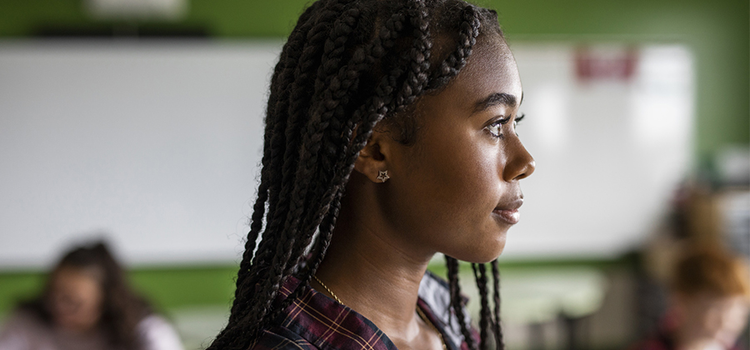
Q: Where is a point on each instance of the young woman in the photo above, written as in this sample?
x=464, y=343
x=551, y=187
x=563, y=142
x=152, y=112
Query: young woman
x=390, y=137
x=87, y=304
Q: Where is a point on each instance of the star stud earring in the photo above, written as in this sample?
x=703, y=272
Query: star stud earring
x=383, y=175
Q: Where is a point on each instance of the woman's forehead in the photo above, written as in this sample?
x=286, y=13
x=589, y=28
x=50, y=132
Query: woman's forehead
x=491, y=71
x=80, y=272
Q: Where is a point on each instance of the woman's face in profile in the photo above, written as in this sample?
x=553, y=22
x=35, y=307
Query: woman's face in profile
x=75, y=299
x=456, y=189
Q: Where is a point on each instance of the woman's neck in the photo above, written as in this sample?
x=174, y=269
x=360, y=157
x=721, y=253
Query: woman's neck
x=372, y=272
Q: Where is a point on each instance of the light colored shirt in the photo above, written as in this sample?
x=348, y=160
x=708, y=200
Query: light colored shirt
x=25, y=331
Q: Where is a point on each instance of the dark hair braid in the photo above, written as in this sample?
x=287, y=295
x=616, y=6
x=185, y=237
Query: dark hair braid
x=468, y=32
x=276, y=121
x=299, y=98
x=485, y=318
x=271, y=144
x=496, y=298
x=302, y=176
x=346, y=66
x=457, y=300
x=349, y=78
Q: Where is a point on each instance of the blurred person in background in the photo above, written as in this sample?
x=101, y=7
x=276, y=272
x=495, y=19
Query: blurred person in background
x=710, y=301
x=87, y=304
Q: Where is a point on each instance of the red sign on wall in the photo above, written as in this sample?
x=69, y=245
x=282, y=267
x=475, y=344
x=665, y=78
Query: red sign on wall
x=605, y=64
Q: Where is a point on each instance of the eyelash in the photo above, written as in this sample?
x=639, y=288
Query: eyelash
x=501, y=122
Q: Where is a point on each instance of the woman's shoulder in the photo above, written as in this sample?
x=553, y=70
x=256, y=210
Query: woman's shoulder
x=24, y=329
x=26, y=319
x=314, y=320
x=156, y=333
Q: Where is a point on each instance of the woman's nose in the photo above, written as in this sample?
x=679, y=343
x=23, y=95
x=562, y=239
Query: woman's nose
x=520, y=162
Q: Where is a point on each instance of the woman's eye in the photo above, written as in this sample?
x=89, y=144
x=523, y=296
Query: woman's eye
x=516, y=121
x=495, y=129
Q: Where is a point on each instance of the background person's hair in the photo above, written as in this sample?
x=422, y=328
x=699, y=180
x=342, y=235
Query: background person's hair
x=346, y=66
x=711, y=270
x=121, y=308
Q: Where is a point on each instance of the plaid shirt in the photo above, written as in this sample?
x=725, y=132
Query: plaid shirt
x=315, y=321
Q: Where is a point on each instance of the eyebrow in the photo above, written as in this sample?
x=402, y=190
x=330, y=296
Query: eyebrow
x=498, y=98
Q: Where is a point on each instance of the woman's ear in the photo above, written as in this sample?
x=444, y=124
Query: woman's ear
x=374, y=158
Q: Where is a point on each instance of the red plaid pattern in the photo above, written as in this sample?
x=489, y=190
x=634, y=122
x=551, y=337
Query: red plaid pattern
x=315, y=321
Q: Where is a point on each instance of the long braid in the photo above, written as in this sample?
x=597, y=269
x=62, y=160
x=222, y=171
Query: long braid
x=337, y=77
x=496, y=296
x=457, y=302
x=344, y=167
x=303, y=175
x=299, y=99
x=334, y=97
x=276, y=244
x=348, y=77
x=337, y=95
x=289, y=61
x=288, y=65
x=272, y=142
x=317, y=166
x=485, y=318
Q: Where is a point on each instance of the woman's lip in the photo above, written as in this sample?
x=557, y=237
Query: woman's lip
x=511, y=216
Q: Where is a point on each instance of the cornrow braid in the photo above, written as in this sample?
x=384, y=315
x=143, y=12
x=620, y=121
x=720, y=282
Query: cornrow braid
x=347, y=66
x=419, y=55
x=467, y=37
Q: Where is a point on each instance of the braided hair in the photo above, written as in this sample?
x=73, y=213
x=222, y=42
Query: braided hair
x=346, y=66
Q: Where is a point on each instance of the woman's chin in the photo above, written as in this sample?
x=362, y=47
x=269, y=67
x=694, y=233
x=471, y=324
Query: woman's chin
x=481, y=253
x=75, y=326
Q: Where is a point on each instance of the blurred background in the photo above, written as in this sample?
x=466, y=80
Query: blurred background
x=141, y=122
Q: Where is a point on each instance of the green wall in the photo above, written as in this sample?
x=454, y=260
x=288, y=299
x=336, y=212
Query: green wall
x=717, y=32
x=167, y=287
x=173, y=287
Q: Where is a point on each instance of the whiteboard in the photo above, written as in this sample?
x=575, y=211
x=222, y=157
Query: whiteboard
x=610, y=153
x=155, y=145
